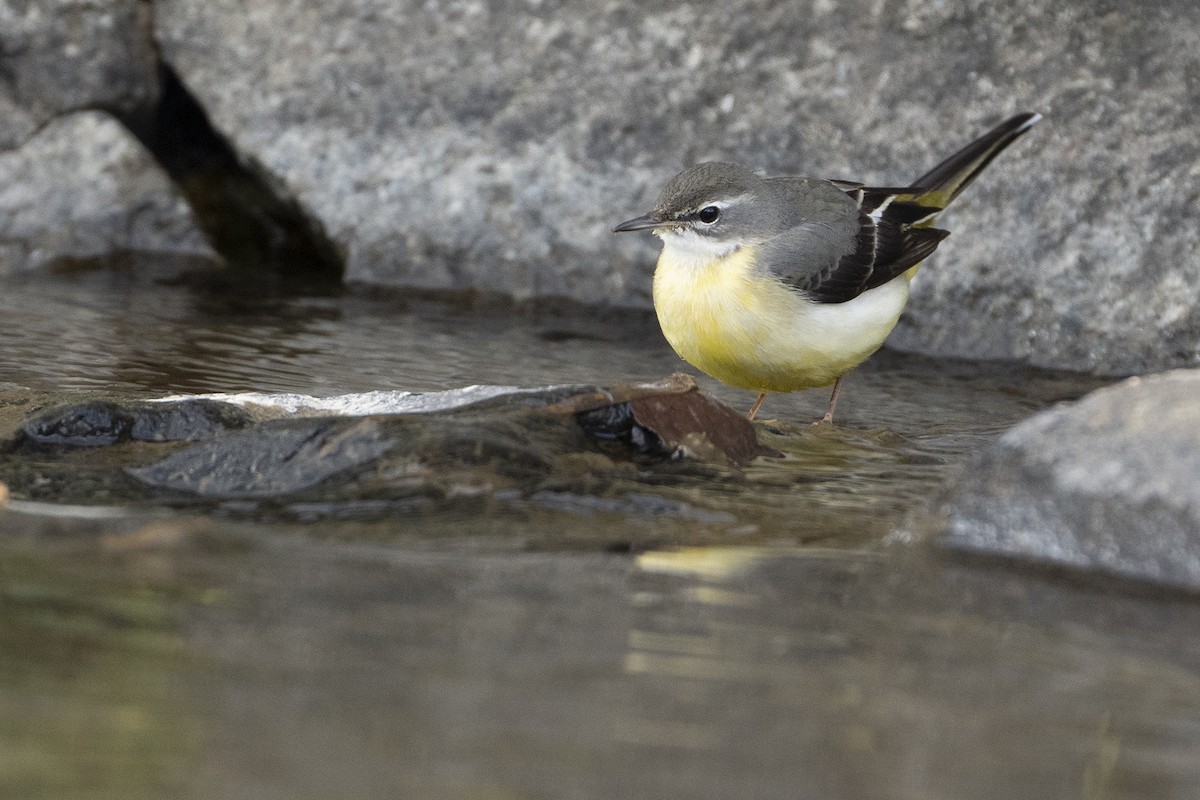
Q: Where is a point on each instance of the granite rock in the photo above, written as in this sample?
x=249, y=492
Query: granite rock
x=1106, y=484
x=469, y=145
x=466, y=145
x=58, y=56
x=84, y=188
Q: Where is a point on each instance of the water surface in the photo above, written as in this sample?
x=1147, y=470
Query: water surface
x=681, y=634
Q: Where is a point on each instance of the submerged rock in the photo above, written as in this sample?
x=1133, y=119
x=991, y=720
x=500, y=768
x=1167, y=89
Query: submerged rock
x=392, y=446
x=271, y=460
x=1110, y=483
x=105, y=422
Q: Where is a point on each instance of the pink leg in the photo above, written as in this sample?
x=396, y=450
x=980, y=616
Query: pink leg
x=757, y=404
x=833, y=398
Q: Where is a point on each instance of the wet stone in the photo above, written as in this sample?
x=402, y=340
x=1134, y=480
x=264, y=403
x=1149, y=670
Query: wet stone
x=449, y=447
x=676, y=426
x=106, y=422
x=1108, y=484
x=673, y=420
x=269, y=460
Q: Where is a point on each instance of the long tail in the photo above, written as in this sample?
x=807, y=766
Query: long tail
x=943, y=183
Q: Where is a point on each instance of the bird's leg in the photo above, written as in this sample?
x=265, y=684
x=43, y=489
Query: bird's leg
x=828, y=418
x=757, y=404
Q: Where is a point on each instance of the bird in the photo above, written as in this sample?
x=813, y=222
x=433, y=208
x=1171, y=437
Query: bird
x=777, y=284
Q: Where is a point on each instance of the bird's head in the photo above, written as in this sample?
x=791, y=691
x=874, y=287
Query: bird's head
x=711, y=206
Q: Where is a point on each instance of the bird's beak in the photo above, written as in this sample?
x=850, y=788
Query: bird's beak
x=642, y=223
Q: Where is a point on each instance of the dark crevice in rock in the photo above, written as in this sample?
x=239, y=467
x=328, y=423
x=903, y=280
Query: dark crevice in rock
x=253, y=226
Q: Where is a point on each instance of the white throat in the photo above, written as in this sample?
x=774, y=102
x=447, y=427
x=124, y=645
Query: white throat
x=686, y=247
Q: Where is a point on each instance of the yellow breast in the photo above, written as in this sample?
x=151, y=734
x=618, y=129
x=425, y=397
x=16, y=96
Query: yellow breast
x=749, y=330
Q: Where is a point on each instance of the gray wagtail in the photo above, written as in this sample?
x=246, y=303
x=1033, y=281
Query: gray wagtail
x=780, y=284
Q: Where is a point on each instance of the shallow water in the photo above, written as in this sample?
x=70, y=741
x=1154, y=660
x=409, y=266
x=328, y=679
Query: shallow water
x=720, y=634
x=904, y=424
x=133, y=334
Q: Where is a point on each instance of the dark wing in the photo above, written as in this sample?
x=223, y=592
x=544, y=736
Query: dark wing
x=847, y=238
x=887, y=243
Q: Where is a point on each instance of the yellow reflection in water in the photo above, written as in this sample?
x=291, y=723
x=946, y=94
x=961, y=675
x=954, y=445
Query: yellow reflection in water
x=711, y=563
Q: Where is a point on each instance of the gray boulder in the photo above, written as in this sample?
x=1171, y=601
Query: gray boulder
x=1110, y=483
x=74, y=183
x=84, y=188
x=470, y=145
x=58, y=56
x=493, y=145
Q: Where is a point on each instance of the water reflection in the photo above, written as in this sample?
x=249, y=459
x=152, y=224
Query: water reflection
x=133, y=334
x=882, y=682
x=90, y=668
x=198, y=661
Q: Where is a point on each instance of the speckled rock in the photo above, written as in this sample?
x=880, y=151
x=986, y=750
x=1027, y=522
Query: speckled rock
x=492, y=145
x=58, y=56
x=82, y=188
x=1081, y=252
x=1107, y=484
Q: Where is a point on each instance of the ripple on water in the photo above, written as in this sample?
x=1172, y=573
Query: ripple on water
x=905, y=423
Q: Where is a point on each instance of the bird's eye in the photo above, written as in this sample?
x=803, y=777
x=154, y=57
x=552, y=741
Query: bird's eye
x=708, y=215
